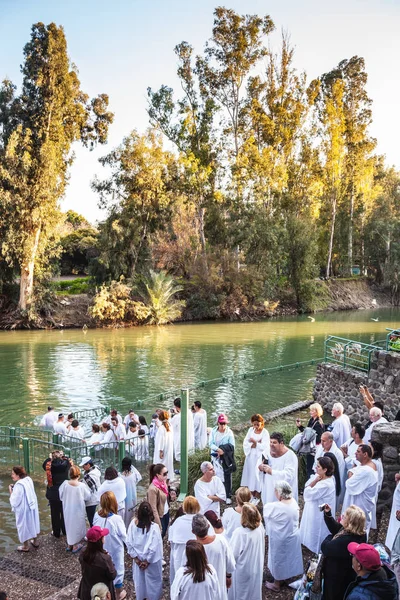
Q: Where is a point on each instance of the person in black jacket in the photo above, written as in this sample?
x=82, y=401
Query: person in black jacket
x=316, y=423
x=374, y=581
x=337, y=567
x=57, y=469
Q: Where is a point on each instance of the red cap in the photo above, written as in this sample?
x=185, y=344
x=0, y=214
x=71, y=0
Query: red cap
x=223, y=418
x=367, y=555
x=94, y=534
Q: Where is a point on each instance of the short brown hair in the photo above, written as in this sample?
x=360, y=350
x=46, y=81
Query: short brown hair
x=257, y=417
x=243, y=495
x=19, y=471
x=191, y=505
x=251, y=518
x=108, y=504
x=74, y=472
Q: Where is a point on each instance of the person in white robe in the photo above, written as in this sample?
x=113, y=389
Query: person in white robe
x=131, y=477
x=108, y=437
x=198, y=579
x=394, y=522
x=209, y=489
x=113, y=413
x=113, y=483
x=329, y=445
x=319, y=489
x=232, y=517
x=179, y=533
x=377, y=449
x=107, y=517
x=60, y=426
x=375, y=415
x=176, y=428
x=96, y=438
x=255, y=444
x=349, y=448
x=73, y=495
x=24, y=504
x=281, y=520
x=142, y=446
x=131, y=417
x=362, y=484
x=118, y=430
x=341, y=426
x=248, y=547
x=48, y=420
x=199, y=426
x=145, y=547
x=280, y=464
x=76, y=432
x=164, y=444
x=219, y=553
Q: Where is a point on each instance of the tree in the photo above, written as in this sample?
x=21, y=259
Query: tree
x=159, y=291
x=37, y=129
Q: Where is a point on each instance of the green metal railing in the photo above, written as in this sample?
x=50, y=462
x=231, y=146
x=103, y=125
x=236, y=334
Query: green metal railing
x=393, y=340
x=350, y=354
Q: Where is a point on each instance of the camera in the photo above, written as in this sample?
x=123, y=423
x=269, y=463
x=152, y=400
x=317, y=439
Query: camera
x=322, y=507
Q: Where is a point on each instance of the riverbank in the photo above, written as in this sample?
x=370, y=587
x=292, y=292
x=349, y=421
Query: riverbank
x=72, y=311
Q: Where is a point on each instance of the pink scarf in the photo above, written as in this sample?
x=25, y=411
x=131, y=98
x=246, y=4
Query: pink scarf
x=160, y=485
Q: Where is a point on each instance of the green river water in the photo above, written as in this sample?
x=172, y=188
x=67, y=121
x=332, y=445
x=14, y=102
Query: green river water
x=73, y=370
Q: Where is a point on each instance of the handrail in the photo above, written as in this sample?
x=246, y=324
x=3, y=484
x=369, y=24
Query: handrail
x=349, y=353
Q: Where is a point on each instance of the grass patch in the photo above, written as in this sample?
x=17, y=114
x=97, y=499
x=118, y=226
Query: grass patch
x=71, y=287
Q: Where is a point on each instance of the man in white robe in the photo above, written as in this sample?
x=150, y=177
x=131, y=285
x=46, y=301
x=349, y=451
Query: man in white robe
x=49, y=418
x=375, y=415
x=349, y=448
x=362, y=484
x=328, y=445
x=131, y=417
x=218, y=552
x=60, y=426
x=341, y=426
x=113, y=413
x=280, y=465
x=200, y=426
x=176, y=428
x=209, y=489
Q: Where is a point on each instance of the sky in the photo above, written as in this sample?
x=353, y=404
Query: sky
x=123, y=47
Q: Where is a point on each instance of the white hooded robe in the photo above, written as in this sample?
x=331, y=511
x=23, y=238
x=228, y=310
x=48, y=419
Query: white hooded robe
x=313, y=530
x=248, y=547
x=249, y=475
x=200, y=429
x=24, y=504
x=73, y=499
x=114, y=541
x=284, y=546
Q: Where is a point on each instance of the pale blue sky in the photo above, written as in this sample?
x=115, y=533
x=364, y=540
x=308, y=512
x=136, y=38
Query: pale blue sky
x=124, y=46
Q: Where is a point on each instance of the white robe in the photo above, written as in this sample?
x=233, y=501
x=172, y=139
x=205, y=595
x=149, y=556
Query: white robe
x=146, y=545
x=142, y=448
x=284, y=546
x=342, y=468
x=379, y=470
x=131, y=482
x=114, y=541
x=73, y=499
x=394, y=524
x=203, y=489
x=183, y=587
x=351, y=453
x=220, y=556
x=179, y=533
x=248, y=547
x=361, y=490
x=200, y=429
x=341, y=430
x=60, y=427
x=49, y=419
x=117, y=486
x=249, y=475
x=368, y=432
x=283, y=468
x=313, y=530
x=164, y=442
x=231, y=520
x=95, y=440
x=176, y=428
x=24, y=504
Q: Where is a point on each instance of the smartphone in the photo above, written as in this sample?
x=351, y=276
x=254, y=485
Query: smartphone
x=322, y=507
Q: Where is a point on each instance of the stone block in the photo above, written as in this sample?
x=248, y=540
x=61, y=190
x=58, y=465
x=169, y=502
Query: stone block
x=389, y=381
x=390, y=453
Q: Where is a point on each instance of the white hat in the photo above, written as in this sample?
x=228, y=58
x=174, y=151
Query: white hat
x=85, y=460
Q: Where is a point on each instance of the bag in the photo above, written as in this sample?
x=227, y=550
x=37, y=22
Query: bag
x=295, y=442
x=308, y=438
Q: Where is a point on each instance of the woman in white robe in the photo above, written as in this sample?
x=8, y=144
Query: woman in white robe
x=131, y=476
x=113, y=483
x=179, y=533
x=255, y=444
x=197, y=580
x=248, y=547
x=164, y=444
x=144, y=544
x=282, y=527
x=199, y=426
x=394, y=524
x=108, y=518
x=24, y=504
x=232, y=517
x=320, y=489
x=73, y=495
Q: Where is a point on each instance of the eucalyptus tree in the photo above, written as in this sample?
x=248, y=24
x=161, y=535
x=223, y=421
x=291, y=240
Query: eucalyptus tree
x=37, y=129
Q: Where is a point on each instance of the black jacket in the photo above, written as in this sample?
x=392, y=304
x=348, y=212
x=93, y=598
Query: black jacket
x=59, y=473
x=337, y=570
x=379, y=585
x=228, y=458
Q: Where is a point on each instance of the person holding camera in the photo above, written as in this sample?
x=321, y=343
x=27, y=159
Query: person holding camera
x=316, y=423
x=57, y=468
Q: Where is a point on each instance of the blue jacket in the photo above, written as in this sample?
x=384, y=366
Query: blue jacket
x=379, y=585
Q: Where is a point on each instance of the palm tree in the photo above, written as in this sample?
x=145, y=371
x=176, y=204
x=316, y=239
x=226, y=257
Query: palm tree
x=158, y=294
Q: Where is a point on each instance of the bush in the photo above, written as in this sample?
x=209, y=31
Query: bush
x=113, y=303
x=81, y=285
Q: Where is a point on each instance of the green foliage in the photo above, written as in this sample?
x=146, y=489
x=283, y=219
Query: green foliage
x=71, y=287
x=158, y=293
x=113, y=304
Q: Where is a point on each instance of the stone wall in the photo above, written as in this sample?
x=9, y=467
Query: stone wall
x=389, y=435
x=335, y=384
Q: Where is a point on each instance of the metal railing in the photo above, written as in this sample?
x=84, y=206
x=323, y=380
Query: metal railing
x=393, y=340
x=350, y=354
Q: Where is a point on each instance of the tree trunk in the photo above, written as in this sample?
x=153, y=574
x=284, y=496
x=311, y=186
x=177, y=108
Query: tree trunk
x=200, y=213
x=329, y=262
x=27, y=271
x=350, y=251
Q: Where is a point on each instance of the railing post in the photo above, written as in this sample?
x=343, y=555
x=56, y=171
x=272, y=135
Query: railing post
x=12, y=436
x=184, y=444
x=56, y=439
x=25, y=447
x=121, y=453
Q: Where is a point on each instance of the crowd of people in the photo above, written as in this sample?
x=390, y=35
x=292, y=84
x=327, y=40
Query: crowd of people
x=216, y=553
